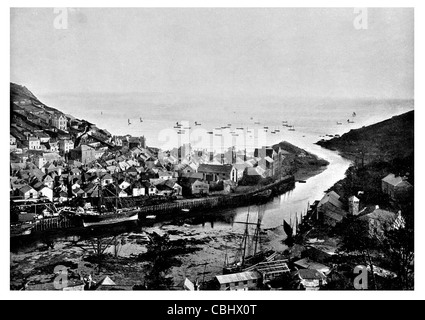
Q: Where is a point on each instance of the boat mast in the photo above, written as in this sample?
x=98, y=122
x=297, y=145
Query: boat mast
x=245, y=238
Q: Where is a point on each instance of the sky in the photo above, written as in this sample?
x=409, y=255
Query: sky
x=215, y=52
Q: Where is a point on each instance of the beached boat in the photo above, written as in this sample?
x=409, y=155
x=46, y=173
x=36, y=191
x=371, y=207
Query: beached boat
x=21, y=230
x=108, y=218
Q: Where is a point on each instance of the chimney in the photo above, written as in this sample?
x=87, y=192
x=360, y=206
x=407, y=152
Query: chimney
x=353, y=205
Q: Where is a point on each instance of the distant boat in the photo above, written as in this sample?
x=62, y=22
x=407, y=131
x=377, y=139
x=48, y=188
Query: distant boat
x=197, y=124
x=256, y=122
x=185, y=210
x=349, y=121
x=291, y=128
x=338, y=123
x=151, y=217
x=354, y=114
x=129, y=122
x=210, y=132
x=141, y=120
x=266, y=127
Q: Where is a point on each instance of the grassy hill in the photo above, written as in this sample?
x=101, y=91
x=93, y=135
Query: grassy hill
x=377, y=150
x=383, y=141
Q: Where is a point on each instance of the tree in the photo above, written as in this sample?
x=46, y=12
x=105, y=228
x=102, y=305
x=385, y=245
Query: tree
x=399, y=248
x=158, y=253
x=358, y=238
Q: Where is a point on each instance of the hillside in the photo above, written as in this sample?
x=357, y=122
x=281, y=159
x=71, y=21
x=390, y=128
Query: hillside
x=383, y=141
x=377, y=150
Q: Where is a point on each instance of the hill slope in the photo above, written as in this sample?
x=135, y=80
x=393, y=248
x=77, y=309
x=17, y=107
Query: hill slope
x=384, y=141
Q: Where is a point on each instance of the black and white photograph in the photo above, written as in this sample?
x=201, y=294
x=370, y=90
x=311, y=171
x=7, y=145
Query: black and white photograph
x=211, y=149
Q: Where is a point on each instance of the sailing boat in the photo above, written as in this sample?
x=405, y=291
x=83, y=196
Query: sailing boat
x=109, y=217
x=287, y=228
x=243, y=259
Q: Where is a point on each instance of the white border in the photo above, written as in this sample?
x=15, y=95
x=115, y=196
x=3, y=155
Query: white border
x=419, y=292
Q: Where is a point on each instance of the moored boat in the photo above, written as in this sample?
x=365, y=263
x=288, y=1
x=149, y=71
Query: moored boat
x=90, y=220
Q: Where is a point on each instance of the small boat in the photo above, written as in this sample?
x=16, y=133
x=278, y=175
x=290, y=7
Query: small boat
x=339, y=123
x=185, y=210
x=129, y=122
x=292, y=128
x=197, y=124
x=354, y=114
x=21, y=230
x=151, y=217
x=263, y=195
x=210, y=132
x=141, y=120
x=256, y=122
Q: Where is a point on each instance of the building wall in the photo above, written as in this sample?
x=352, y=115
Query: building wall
x=240, y=285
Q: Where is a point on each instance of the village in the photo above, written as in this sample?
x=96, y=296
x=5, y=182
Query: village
x=59, y=162
x=59, y=159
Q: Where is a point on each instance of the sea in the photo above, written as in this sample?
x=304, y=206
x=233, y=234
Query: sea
x=245, y=123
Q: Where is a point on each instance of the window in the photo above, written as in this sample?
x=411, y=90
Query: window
x=245, y=282
x=236, y=283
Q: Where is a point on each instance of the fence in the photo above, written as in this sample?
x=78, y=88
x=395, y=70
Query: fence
x=219, y=201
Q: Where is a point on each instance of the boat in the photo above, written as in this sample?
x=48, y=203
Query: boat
x=262, y=196
x=291, y=128
x=151, y=217
x=288, y=229
x=339, y=123
x=108, y=218
x=185, y=210
x=21, y=230
x=101, y=216
x=250, y=243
